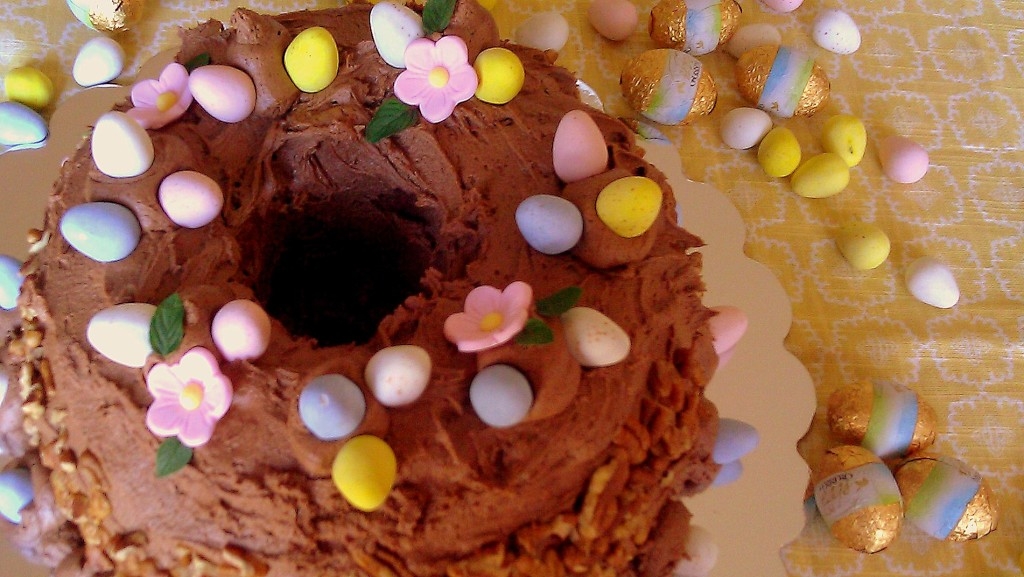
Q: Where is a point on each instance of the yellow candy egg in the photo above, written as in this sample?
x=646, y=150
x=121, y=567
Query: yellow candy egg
x=864, y=245
x=488, y=4
x=630, y=205
x=107, y=15
x=822, y=176
x=311, y=59
x=779, y=152
x=29, y=86
x=364, y=471
x=845, y=135
x=501, y=75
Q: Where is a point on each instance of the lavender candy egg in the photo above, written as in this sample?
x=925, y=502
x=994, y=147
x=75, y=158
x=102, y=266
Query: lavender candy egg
x=735, y=440
x=102, y=231
x=946, y=498
x=241, y=330
x=190, y=199
x=501, y=395
x=331, y=406
x=10, y=281
x=16, y=492
x=550, y=224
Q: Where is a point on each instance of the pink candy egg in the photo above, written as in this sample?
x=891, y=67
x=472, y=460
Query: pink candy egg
x=903, y=160
x=190, y=199
x=241, y=330
x=780, y=6
x=579, y=150
x=727, y=328
x=613, y=19
x=226, y=93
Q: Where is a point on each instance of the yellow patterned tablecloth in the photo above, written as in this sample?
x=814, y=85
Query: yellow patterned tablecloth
x=945, y=73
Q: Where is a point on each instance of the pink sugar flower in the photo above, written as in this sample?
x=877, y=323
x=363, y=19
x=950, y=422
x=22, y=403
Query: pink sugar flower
x=437, y=76
x=188, y=398
x=491, y=317
x=159, y=102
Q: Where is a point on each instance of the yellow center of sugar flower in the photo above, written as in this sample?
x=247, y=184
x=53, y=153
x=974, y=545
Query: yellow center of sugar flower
x=165, y=101
x=191, y=396
x=438, y=77
x=491, y=321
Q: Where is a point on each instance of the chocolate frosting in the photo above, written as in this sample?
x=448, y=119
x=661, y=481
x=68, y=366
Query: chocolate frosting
x=352, y=247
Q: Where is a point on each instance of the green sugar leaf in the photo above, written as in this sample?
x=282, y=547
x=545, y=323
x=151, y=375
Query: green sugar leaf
x=171, y=457
x=560, y=302
x=167, y=327
x=391, y=118
x=536, y=332
x=437, y=14
x=199, y=60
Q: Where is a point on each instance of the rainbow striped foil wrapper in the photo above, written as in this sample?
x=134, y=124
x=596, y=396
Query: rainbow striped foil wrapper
x=703, y=26
x=786, y=81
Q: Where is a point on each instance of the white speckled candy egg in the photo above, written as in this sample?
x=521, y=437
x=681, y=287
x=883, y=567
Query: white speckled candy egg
x=99, y=60
x=10, y=281
x=398, y=375
x=550, y=224
x=19, y=124
x=190, y=199
x=544, y=31
x=121, y=333
x=331, y=406
x=744, y=127
x=931, y=281
x=751, y=36
x=579, y=150
x=613, y=19
x=394, y=26
x=701, y=554
x=102, y=231
x=779, y=6
x=903, y=160
x=735, y=439
x=241, y=330
x=835, y=31
x=226, y=93
x=501, y=395
x=16, y=493
x=121, y=147
x=594, y=340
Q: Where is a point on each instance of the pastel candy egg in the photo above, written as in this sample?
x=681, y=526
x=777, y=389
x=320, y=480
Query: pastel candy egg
x=780, y=6
x=594, y=340
x=858, y=498
x=364, y=472
x=4, y=384
x=102, y=231
x=394, y=26
x=701, y=554
x=544, y=31
x=821, y=176
x=500, y=395
x=226, y=93
x=241, y=330
x=98, y=61
x=16, y=493
x=311, y=59
x=550, y=224
x=121, y=147
x=779, y=152
x=888, y=419
x=331, y=406
x=728, y=473
x=630, y=205
x=745, y=127
x=107, y=15
x=751, y=36
x=613, y=19
x=835, y=31
x=398, y=375
x=782, y=81
x=946, y=498
x=121, y=333
x=932, y=282
x=735, y=439
x=668, y=86
x=10, y=281
x=903, y=160
x=190, y=199
x=579, y=150
x=500, y=73
x=29, y=86
x=19, y=124
x=727, y=327
x=864, y=245
x=845, y=135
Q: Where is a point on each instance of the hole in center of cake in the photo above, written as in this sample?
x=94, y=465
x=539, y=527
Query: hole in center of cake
x=334, y=270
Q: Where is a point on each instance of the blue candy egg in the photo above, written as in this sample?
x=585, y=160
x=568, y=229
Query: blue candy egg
x=19, y=124
x=735, y=439
x=102, y=231
x=331, y=406
x=15, y=493
x=550, y=224
x=10, y=281
x=501, y=395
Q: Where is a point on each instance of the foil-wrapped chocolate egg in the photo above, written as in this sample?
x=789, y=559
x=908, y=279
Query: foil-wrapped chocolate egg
x=858, y=498
x=694, y=26
x=946, y=498
x=888, y=419
x=668, y=86
x=107, y=15
x=782, y=81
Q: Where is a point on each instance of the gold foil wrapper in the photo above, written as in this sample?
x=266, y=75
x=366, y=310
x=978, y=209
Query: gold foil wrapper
x=870, y=529
x=643, y=75
x=667, y=26
x=849, y=413
x=115, y=15
x=753, y=67
x=731, y=11
x=981, y=516
x=706, y=99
